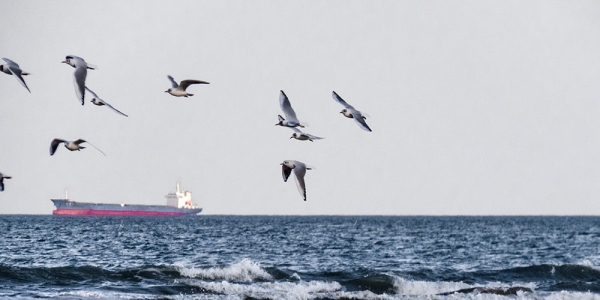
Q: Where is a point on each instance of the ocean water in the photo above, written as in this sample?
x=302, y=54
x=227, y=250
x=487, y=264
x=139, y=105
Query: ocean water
x=293, y=257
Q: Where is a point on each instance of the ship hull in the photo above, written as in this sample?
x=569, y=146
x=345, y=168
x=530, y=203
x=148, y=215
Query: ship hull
x=66, y=207
x=90, y=212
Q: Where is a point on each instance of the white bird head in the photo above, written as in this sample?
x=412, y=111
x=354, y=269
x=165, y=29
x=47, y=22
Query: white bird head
x=288, y=164
x=96, y=102
x=346, y=113
x=69, y=61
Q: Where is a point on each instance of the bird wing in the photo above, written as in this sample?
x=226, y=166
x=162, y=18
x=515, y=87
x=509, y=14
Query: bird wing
x=173, y=82
x=339, y=99
x=10, y=61
x=296, y=130
x=79, y=141
x=287, y=109
x=111, y=107
x=358, y=118
x=2, y=176
x=285, y=172
x=185, y=83
x=94, y=94
x=54, y=145
x=300, y=171
x=313, y=137
x=13, y=67
x=79, y=81
x=104, y=102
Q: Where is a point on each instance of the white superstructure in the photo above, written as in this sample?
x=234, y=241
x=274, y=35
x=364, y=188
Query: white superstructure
x=180, y=199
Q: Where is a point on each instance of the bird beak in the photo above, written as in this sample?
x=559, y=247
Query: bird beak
x=166, y=91
x=63, y=62
x=291, y=136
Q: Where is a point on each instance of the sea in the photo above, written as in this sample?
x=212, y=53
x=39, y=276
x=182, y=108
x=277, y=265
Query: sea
x=299, y=257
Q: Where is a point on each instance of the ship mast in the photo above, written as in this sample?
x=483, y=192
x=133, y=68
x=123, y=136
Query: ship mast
x=66, y=194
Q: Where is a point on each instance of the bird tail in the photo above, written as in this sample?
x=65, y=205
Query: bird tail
x=81, y=147
x=190, y=95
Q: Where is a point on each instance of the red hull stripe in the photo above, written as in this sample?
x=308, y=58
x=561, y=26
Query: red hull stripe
x=89, y=212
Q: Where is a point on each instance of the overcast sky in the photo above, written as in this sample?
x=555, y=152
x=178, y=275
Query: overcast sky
x=476, y=107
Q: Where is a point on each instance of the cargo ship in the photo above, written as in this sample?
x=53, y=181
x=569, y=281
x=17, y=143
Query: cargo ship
x=179, y=203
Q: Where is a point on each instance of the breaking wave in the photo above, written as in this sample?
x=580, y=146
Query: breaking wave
x=246, y=279
x=244, y=271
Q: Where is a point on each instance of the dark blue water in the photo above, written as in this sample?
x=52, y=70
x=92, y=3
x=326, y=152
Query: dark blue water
x=279, y=257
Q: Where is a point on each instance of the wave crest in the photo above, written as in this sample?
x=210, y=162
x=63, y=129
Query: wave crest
x=243, y=271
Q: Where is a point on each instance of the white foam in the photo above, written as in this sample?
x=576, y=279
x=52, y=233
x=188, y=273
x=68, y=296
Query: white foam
x=406, y=289
x=272, y=290
x=313, y=290
x=410, y=287
x=244, y=271
x=588, y=263
x=571, y=296
x=296, y=276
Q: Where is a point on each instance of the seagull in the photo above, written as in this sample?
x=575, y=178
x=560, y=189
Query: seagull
x=12, y=68
x=301, y=136
x=299, y=169
x=97, y=101
x=290, y=119
x=2, y=177
x=351, y=112
x=79, y=75
x=71, y=145
x=178, y=90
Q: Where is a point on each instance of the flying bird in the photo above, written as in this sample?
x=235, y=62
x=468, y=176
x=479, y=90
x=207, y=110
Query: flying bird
x=178, y=90
x=299, y=170
x=351, y=112
x=290, y=119
x=301, y=136
x=97, y=101
x=71, y=145
x=12, y=68
x=79, y=75
x=2, y=177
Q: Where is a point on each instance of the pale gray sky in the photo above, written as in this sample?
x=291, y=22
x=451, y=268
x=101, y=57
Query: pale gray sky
x=477, y=107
